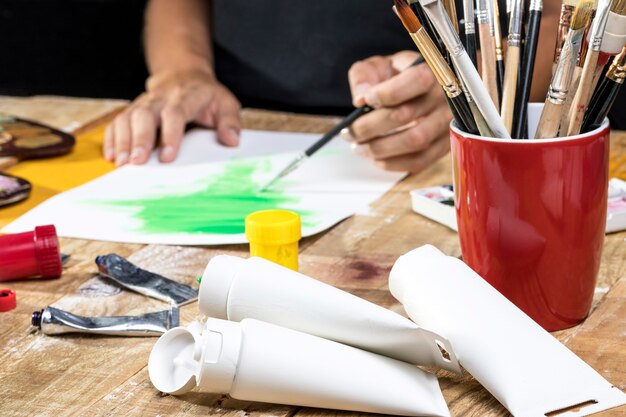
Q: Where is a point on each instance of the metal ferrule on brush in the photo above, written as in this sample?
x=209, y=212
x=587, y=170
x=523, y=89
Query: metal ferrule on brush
x=617, y=70
x=492, y=18
x=434, y=9
x=482, y=12
x=515, y=24
x=596, y=33
x=562, y=78
x=468, y=12
x=535, y=5
x=437, y=63
x=564, y=23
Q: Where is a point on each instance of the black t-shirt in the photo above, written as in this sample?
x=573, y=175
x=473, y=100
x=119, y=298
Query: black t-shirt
x=295, y=56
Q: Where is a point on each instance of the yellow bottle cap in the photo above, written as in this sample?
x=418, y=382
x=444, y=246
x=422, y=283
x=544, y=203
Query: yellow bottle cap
x=273, y=227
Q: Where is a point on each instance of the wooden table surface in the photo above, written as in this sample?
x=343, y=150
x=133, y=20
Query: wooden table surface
x=92, y=375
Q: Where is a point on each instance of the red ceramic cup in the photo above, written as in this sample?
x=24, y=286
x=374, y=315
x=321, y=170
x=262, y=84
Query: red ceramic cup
x=531, y=216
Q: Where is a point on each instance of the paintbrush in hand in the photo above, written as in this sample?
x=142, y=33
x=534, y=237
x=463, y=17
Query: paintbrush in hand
x=605, y=95
x=307, y=153
x=559, y=87
x=528, y=65
x=438, y=65
x=585, y=87
x=465, y=69
x=514, y=41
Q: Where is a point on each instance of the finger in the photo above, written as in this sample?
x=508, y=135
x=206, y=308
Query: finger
x=418, y=161
x=228, y=121
x=143, y=125
x=413, y=82
x=414, y=139
x=381, y=121
x=122, y=134
x=173, y=121
x=364, y=74
x=108, y=145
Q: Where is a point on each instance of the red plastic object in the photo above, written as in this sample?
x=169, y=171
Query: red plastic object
x=30, y=254
x=531, y=218
x=7, y=300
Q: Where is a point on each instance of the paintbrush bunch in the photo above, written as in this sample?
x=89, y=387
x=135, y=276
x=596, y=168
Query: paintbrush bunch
x=494, y=102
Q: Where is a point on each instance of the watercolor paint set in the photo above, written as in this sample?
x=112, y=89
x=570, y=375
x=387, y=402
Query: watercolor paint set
x=616, y=212
x=435, y=203
x=22, y=139
x=13, y=189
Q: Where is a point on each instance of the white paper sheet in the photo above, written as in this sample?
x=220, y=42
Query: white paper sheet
x=203, y=197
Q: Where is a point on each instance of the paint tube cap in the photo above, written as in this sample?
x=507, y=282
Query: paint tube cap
x=47, y=251
x=30, y=254
x=171, y=364
x=273, y=227
x=8, y=300
x=215, y=286
x=207, y=357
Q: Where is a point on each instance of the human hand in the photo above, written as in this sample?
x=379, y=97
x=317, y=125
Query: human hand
x=408, y=130
x=170, y=102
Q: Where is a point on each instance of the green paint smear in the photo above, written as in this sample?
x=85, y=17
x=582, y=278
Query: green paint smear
x=220, y=207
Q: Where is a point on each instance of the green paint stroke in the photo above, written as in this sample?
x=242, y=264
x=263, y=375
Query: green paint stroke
x=220, y=207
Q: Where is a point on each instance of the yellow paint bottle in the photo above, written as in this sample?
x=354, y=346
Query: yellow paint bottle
x=274, y=235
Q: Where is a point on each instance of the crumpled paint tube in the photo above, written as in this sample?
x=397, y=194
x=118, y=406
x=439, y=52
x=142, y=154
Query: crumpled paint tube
x=529, y=371
x=145, y=282
x=52, y=321
x=234, y=288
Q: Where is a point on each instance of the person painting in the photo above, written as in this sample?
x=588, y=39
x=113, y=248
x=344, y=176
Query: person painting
x=208, y=59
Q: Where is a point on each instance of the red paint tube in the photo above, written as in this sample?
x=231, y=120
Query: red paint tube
x=30, y=254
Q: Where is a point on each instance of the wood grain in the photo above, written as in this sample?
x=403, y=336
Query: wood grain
x=107, y=376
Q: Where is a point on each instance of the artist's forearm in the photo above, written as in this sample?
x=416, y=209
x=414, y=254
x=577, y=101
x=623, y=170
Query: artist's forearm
x=177, y=36
x=545, y=50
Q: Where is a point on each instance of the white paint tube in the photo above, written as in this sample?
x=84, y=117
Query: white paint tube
x=257, y=361
x=529, y=371
x=234, y=288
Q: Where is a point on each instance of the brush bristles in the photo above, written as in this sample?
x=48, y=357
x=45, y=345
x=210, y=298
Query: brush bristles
x=406, y=15
x=619, y=7
x=582, y=14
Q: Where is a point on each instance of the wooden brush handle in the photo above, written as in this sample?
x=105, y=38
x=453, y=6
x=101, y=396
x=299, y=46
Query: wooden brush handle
x=488, y=61
x=548, y=127
x=583, y=93
x=510, y=86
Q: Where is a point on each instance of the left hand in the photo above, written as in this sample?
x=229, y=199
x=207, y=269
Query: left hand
x=409, y=128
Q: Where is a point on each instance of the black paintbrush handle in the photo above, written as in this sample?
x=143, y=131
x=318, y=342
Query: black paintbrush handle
x=600, y=104
x=526, y=76
x=499, y=77
x=464, y=117
x=458, y=119
x=470, y=47
x=347, y=121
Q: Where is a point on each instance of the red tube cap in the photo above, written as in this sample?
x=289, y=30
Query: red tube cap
x=30, y=254
x=7, y=300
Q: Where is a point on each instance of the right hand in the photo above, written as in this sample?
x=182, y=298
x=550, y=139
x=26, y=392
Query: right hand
x=170, y=102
